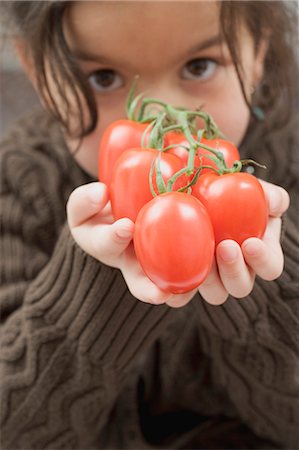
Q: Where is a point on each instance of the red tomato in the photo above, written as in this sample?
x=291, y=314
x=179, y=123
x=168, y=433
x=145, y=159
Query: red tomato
x=236, y=204
x=227, y=148
x=118, y=137
x=130, y=188
x=179, y=139
x=174, y=241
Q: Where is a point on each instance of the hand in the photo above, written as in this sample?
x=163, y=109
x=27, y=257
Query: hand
x=235, y=267
x=94, y=230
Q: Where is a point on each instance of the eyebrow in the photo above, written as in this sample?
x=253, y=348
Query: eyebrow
x=210, y=42
x=89, y=56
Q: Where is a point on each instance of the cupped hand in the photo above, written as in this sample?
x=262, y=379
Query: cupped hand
x=92, y=226
x=235, y=267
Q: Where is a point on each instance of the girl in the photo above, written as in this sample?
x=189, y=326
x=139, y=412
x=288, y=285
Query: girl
x=93, y=355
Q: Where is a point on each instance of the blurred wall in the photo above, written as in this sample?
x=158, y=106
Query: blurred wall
x=16, y=93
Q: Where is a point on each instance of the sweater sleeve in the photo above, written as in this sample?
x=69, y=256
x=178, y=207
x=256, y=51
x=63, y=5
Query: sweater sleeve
x=253, y=343
x=70, y=330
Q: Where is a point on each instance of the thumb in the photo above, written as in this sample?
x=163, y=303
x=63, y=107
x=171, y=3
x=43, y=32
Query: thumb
x=86, y=201
x=105, y=242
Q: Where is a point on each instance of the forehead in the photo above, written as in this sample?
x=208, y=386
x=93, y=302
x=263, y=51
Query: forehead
x=116, y=27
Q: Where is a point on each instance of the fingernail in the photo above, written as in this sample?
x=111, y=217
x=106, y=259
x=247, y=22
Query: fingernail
x=273, y=203
x=228, y=253
x=95, y=193
x=252, y=248
x=124, y=233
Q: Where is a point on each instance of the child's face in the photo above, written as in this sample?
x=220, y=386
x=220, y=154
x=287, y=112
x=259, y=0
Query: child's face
x=173, y=47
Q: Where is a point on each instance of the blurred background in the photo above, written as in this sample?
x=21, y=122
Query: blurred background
x=16, y=93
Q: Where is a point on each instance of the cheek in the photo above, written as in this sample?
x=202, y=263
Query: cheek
x=87, y=155
x=233, y=123
x=232, y=116
x=91, y=144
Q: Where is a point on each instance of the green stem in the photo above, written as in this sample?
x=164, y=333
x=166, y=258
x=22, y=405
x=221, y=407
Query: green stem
x=209, y=167
x=218, y=154
x=148, y=119
x=156, y=135
x=211, y=127
x=174, y=177
x=236, y=167
x=145, y=133
x=146, y=102
x=245, y=162
x=151, y=174
x=192, y=182
x=159, y=177
x=195, y=178
x=169, y=147
x=182, y=120
x=172, y=128
x=181, y=117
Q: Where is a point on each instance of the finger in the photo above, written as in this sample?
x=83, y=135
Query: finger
x=105, y=242
x=277, y=197
x=236, y=277
x=144, y=289
x=86, y=201
x=180, y=300
x=265, y=256
x=212, y=289
x=110, y=241
x=138, y=283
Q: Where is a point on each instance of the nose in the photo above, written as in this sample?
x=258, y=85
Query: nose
x=171, y=93
x=167, y=93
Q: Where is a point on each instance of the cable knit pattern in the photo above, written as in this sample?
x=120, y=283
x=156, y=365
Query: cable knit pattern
x=85, y=365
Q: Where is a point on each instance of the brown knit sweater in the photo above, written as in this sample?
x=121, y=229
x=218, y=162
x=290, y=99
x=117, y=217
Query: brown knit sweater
x=84, y=365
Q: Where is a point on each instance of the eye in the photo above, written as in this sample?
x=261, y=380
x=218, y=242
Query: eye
x=199, y=68
x=105, y=80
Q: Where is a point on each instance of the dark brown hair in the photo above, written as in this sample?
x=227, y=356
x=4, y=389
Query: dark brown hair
x=39, y=25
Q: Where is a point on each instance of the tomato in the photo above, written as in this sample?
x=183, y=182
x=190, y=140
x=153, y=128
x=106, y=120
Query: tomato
x=180, y=140
x=130, y=188
x=121, y=135
x=174, y=241
x=227, y=148
x=236, y=204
